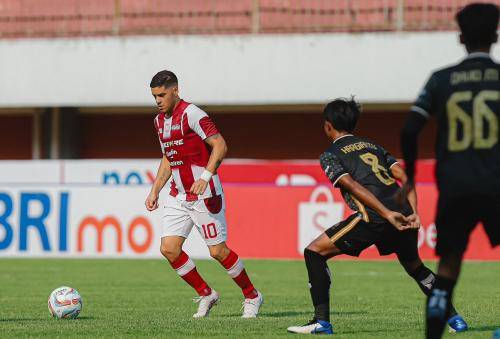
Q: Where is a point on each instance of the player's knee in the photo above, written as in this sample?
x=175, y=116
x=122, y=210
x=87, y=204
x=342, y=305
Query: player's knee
x=318, y=248
x=310, y=252
x=219, y=253
x=312, y=247
x=170, y=252
x=411, y=266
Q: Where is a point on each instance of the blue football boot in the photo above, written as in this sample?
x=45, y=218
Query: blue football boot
x=457, y=324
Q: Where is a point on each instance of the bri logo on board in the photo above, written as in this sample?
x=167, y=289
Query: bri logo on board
x=30, y=220
x=27, y=220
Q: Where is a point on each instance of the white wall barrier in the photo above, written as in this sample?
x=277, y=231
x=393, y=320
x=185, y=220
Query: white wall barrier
x=66, y=221
x=78, y=172
x=224, y=69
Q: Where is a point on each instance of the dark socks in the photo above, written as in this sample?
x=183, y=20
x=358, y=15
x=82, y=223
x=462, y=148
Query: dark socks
x=425, y=280
x=438, y=307
x=319, y=283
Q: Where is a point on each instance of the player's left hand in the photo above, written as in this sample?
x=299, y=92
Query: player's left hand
x=199, y=186
x=398, y=220
x=414, y=221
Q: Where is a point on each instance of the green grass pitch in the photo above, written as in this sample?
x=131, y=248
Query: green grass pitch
x=132, y=298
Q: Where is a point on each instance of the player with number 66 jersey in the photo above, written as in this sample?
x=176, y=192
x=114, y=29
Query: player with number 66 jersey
x=193, y=149
x=464, y=98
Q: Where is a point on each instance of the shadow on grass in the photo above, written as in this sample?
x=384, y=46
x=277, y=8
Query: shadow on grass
x=296, y=313
x=271, y=314
x=382, y=330
x=14, y=320
x=86, y=317
x=484, y=328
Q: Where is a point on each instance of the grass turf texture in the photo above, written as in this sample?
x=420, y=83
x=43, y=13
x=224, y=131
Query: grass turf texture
x=146, y=298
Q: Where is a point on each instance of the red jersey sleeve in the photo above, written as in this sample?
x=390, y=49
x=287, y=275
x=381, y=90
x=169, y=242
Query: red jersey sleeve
x=200, y=122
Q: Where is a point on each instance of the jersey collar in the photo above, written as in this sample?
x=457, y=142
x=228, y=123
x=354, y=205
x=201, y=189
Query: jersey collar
x=179, y=108
x=346, y=135
x=478, y=55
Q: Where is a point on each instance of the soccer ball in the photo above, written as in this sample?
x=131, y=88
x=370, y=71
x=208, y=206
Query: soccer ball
x=65, y=302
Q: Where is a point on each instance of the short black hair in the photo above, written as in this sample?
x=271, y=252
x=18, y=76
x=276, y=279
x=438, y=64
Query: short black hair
x=343, y=114
x=478, y=23
x=164, y=78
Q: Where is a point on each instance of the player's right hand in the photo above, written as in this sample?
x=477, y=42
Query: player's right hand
x=399, y=221
x=151, y=201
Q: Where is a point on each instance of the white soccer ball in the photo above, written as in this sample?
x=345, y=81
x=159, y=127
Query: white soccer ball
x=65, y=302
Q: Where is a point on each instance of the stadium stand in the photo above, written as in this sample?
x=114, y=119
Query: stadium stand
x=74, y=18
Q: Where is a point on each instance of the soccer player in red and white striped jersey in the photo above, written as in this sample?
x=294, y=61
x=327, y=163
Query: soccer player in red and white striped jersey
x=192, y=150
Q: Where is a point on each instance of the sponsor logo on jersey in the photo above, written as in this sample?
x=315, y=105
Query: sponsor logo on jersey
x=171, y=153
x=176, y=127
x=176, y=163
x=174, y=143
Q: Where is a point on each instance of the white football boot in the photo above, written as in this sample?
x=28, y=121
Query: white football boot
x=205, y=304
x=313, y=327
x=251, y=306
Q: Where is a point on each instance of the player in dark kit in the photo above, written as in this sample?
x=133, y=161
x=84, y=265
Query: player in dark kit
x=465, y=100
x=366, y=175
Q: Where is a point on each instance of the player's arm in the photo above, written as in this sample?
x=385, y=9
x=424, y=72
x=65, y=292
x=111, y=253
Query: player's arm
x=409, y=144
x=407, y=192
x=162, y=175
x=338, y=175
x=417, y=118
x=368, y=199
x=219, y=151
x=202, y=124
x=399, y=174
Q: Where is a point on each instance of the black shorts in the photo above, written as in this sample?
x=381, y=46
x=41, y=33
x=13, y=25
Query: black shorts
x=458, y=216
x=354, y=234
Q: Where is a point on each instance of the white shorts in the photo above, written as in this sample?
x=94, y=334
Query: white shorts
x=209, y=216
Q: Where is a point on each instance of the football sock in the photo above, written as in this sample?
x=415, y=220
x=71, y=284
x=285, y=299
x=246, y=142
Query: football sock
x=438, y=306
x=186, y=269
x=319, y=284
x=425, y=279
x=236, y=270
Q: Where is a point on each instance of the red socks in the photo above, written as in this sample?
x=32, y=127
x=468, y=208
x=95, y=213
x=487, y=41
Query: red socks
x=186, y=269
x=236, y=270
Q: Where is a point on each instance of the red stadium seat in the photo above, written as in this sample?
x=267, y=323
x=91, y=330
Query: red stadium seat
x=56, y=18
x=300, y=15
x=190, y=16
x=372, y=15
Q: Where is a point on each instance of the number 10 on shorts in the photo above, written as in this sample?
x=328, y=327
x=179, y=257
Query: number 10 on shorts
x=209, y=231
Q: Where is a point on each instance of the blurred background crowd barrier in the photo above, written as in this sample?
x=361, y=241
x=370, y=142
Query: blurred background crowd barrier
x=50, y=18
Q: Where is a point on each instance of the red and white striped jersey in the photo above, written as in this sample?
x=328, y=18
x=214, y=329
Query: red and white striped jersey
x=182, y=141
